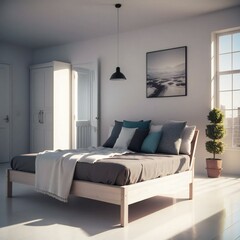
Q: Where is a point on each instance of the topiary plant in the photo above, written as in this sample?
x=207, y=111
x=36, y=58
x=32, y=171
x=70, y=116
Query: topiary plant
x=215, y=131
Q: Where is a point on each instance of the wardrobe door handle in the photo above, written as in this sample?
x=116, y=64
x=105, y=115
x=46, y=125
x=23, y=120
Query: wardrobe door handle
x=6, y=119
x=42, y=117
x=39, y=116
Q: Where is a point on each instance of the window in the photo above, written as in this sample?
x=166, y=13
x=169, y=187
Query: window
x=228, y=84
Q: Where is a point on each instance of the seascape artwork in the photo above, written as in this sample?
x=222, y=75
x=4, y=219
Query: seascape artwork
x=167, y=73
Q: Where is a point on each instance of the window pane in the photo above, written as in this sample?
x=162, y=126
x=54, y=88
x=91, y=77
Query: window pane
x=226, y=100
x=228, y=123
x=225, y=44
x=236, y=136
x=225, y=62
x=236, y=61
x=228, y=138
x=225, y=82
x=236, y=81
x=234, y=131
x=228, y=81
x=236, y=117
x=236, y=99
x=227, y=118
x=236, y=140
x=236, y=42
x=227, y=113
x=236, y=128
x=236, y=114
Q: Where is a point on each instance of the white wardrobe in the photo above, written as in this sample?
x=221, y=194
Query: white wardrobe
x=50, y=109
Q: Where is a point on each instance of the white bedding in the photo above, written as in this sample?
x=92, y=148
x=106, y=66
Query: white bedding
x=55, y=169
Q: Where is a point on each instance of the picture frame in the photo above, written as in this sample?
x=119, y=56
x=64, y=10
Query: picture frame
x=166, y=73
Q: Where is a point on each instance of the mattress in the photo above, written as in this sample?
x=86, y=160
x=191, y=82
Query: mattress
x=120, y=170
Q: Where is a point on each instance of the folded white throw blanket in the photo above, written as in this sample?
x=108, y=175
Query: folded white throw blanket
x=55, y=169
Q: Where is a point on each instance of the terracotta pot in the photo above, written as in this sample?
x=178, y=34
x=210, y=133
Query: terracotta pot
x=214, y=167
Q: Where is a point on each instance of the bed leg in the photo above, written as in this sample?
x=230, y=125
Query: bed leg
x=191, y=191
x=124, y=208
x=9, y=184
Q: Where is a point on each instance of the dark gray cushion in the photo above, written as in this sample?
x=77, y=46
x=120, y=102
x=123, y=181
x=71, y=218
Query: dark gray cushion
x=171, y=137
x=114, y=134
x=137, y=140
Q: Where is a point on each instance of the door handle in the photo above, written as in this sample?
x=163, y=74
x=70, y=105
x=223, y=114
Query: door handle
x=6, y=119
x=42, y=121
x=40, y=116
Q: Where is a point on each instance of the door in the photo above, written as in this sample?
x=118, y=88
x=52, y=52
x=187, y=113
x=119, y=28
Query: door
x=4, y=113
x=85, y=105
x=41, y=109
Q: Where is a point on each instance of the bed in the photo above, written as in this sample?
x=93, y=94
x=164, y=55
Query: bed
x=125, y=186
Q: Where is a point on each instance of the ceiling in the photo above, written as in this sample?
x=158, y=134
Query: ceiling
x=43, y=23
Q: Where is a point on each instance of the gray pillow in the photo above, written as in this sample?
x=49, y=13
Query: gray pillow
x=171, y=137
x=124, y=137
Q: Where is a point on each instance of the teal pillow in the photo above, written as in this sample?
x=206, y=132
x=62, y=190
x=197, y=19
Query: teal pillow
x=151, y=142
x=137, y=124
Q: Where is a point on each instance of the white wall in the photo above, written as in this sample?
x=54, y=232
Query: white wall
x=127, y=99
x=19, y=59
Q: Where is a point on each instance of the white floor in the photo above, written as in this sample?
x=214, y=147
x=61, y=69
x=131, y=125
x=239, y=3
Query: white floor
x=213, y=214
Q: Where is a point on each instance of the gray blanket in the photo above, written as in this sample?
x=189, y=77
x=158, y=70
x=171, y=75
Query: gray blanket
x=119, y=170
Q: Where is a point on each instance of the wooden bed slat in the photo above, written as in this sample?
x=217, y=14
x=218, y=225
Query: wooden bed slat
x=97, y=191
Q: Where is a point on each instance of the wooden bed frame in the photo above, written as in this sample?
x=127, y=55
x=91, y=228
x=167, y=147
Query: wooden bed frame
x=119, y=195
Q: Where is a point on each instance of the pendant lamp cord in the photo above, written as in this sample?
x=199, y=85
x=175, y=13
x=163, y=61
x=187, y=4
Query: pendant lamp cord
x=117, y=36
x=118, y=75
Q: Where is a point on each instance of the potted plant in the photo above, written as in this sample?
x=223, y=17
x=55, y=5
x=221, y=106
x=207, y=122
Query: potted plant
x=215, y=131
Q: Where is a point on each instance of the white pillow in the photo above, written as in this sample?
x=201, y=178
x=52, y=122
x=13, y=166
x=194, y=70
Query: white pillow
x=187, y=137
x=125, y=137
x=155, y=128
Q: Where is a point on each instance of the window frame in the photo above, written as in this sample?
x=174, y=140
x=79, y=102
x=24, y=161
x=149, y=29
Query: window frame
x=218, y=73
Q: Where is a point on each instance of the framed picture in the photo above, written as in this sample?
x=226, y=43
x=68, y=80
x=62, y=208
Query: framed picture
x=167, y=73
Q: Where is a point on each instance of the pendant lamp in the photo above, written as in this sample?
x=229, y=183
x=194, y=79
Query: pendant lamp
x=118, y=75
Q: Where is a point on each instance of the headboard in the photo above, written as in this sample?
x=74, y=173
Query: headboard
x=193, y=148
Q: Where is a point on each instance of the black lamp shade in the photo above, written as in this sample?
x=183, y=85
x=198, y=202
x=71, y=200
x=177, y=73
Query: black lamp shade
x=117, y=75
